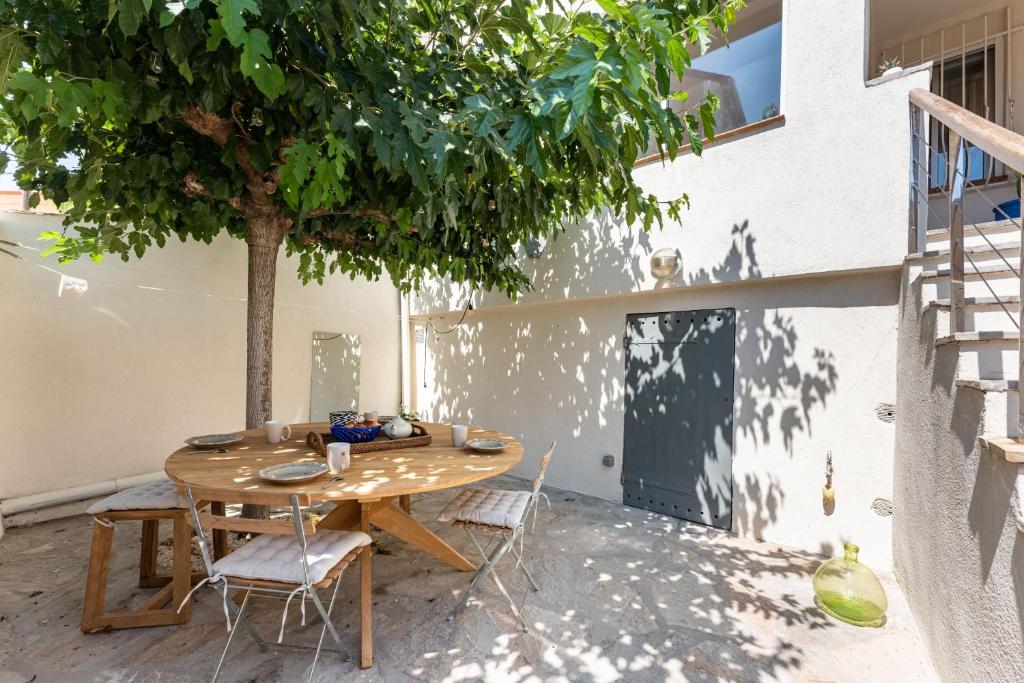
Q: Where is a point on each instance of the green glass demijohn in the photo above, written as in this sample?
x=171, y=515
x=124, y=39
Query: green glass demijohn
x=849, y=591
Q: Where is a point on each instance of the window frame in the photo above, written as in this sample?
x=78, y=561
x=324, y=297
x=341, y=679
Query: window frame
x=748, y=26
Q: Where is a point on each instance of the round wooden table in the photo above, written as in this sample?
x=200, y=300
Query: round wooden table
x=375, y=489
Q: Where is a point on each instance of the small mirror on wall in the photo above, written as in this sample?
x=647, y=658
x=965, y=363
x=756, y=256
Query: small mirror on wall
x=334, y=384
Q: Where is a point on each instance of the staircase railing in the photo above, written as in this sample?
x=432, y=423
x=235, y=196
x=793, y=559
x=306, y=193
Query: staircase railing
x=944, y=138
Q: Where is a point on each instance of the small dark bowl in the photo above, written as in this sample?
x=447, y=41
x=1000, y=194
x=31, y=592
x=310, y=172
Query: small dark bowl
x=342, y=417
x=355, y=434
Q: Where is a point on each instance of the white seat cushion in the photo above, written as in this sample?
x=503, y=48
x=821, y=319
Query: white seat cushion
x=154, y=495
x=278, y=558
x=487, y=506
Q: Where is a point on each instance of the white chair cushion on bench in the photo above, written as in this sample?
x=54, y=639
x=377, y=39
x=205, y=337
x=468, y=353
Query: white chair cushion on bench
x=154, y=495
x=277, y=558
x=487, y=506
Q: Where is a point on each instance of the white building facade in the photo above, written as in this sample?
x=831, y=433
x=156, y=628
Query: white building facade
x=797, y=227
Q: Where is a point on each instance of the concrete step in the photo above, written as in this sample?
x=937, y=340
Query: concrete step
x=1003, y=447
x=998, y=280
x=990, y=229
x=1010, y=250
x=986, y=354
x=979, y=337
x=980, y=313
x=1002, y=400
x=997, y=270
x=989, y=385
x=1011, y=301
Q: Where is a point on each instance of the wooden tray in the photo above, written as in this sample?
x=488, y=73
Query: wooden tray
x=318, y=442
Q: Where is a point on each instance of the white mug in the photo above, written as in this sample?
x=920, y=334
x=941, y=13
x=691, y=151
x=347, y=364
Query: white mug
x=278, y=431
x=459, y=435
x=339, y=456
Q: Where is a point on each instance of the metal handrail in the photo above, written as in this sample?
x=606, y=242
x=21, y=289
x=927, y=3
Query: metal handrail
x=964, y=129
x=978, y=228
x=988, y=286
x=991, y=138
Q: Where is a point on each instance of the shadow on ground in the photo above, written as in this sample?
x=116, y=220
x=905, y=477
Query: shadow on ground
x=626, y=595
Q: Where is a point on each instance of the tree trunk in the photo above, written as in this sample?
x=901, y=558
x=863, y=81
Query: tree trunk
x=264, y=240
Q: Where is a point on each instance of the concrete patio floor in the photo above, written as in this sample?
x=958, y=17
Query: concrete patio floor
x=626, y=595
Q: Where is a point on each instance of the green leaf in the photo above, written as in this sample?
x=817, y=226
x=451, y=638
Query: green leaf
x=611, y=8
x=130, y=14
x=232, y=20
x=438, y=146
x=268, y=77
x=216, y=35
x=12, y=53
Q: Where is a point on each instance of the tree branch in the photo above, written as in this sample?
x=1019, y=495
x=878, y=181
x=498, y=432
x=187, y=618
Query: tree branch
x=362, y=212
x=335, y=239
x=221, y=130
x=209, y=125
x=194, y=187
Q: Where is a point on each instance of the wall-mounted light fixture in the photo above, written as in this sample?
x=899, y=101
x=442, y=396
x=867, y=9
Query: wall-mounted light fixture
x=666, y=263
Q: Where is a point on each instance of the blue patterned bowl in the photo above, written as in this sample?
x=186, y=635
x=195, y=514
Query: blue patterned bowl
x=355, y=434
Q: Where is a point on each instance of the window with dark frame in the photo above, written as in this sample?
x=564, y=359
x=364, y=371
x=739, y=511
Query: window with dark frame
x=745, y=73
x=970, y=82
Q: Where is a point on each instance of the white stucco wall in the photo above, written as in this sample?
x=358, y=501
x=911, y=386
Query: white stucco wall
x=108, y=385
x=825, y=192
x=958, y=553
x=814, y=356
x=800, y=227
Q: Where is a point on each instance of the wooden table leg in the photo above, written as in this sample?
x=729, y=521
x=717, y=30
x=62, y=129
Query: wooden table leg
x=182, y=567
x=96, y=576
x=220, y=536
x=385, y=515
x=365, y=595
x=396, y=521
x=345, y=516
x=406, y=503
x=147, y=551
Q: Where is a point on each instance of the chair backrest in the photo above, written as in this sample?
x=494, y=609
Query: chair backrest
x=296, y=526
x=539, y=479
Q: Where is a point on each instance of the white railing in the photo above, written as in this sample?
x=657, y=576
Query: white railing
x=959, y=131
x=985, y=39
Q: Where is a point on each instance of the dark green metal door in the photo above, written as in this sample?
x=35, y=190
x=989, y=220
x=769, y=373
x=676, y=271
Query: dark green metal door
x=677, y=450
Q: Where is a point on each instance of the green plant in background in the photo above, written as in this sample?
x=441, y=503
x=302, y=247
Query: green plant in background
x=427, y=138
x=408, y=415
x=888, y=63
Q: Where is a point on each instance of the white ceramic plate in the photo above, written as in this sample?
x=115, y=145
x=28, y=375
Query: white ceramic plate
x=213, y=440
x=293, y=472
x=487, y=445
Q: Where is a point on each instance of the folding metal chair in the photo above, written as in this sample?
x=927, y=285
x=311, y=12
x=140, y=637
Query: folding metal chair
x=502, y=514
x=281, y=562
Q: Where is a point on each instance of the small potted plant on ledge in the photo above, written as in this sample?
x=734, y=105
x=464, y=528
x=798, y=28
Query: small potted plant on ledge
x=889, y=65
x=1009, y=209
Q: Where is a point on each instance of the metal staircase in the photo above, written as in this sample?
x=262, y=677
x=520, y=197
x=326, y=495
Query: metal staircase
x=968, y=277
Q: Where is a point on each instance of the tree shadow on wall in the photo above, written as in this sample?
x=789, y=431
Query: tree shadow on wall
x=565, y=365
x=592, y=258
x=772, y=386
x=558, y=372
